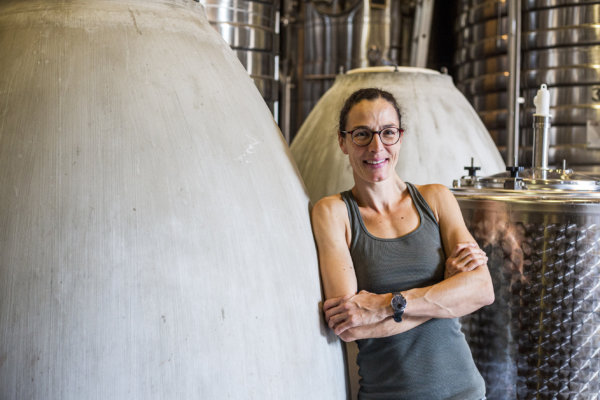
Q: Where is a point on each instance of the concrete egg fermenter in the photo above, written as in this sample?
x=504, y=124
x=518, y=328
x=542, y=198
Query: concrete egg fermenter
x=155, y=240
x=442, y=131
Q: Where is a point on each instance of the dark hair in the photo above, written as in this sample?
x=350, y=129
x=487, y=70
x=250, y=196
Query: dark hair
x=366, y=94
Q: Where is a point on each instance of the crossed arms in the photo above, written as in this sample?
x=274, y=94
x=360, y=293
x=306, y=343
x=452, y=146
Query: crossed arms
x=467, y=285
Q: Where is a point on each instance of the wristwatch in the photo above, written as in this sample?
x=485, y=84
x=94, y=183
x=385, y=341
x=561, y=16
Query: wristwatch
x=398, y=305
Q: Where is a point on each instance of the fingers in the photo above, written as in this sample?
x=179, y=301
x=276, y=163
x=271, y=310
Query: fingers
x=461, y=246
x=344, y=326
x=339, y=322
x=330, y=303
x=341, y=314
x=345, y=322
x=473, y=262
x=479, y=258
x=465, y=251
x=467, y=257
x=335, y=306
x=470, y=253
x=335, y=320
x=335, y=301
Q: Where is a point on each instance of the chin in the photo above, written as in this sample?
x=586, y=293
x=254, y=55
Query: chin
x=371, y=177
x=379, y=178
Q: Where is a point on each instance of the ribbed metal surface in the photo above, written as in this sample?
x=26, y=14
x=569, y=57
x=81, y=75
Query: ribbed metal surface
x=561, y=47
x=541, y=337
x=249, y=27
x=331, y=42
x=359, y=34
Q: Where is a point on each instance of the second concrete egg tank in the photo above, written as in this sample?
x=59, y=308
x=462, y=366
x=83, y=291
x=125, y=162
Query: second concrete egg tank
x=442, y=131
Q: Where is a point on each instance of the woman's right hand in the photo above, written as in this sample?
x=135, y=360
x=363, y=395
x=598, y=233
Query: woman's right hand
x=465, y=257
x=351, y=311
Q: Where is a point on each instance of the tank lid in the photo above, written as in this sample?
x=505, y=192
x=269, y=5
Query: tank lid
x=532, y=179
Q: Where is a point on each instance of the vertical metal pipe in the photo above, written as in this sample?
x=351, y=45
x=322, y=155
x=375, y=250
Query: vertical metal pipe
x=541, y=126
x=421, y=33
x=300, y=66
x=514, y=57
x=286, y=101
x=288, y=65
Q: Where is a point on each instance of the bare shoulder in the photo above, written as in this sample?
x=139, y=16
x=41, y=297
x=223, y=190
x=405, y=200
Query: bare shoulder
x=331, y=225
x=435, y=193
x=330, y=218
x=329, y=207
x=434, y=190
x=448, y=214
x=438, y=196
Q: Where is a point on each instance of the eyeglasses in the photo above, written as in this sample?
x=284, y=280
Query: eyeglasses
x=364, y=136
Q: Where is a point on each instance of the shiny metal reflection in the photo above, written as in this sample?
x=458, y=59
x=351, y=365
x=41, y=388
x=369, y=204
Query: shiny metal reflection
x=561, y=47
x=340, y=36
x=540, y=337
x=249, y=27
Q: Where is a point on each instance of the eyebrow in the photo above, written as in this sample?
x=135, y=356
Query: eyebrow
x=366, y=127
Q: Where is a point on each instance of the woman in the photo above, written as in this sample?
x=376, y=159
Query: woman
x=398, y=266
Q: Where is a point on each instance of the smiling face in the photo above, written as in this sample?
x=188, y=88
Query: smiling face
x=375, y=162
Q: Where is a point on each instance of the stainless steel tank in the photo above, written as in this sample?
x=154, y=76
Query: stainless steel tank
x=442, y=131
x=251, y=28
x=541, y=337
x=560, y=47
x=155, y=240
x=324, y=37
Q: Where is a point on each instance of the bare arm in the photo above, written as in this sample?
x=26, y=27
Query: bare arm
x=331, y=234
x=387, y=327
x=384, y=327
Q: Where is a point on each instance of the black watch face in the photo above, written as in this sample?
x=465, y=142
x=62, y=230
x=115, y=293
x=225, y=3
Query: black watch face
x=398, y=305
x=398, y=301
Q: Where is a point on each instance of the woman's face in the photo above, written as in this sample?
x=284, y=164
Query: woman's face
x=376, y=161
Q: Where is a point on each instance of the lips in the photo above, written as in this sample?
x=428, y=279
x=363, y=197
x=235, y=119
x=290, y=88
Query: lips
x=376, y=163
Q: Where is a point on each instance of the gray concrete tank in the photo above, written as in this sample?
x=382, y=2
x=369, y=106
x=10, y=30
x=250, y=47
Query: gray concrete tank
x=442, y=131
x=155, y=240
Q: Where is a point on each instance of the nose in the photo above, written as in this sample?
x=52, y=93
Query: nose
x=376, y=144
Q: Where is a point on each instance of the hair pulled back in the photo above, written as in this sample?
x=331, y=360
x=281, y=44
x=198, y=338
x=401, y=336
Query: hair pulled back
x=366, y=94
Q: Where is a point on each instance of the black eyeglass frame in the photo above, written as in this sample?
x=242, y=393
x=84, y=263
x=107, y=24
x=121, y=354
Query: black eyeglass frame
x=373, y=133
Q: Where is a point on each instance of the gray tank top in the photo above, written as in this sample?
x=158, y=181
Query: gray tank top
x=431, y=361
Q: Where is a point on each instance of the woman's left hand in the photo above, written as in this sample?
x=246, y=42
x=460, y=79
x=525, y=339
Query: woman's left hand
x=465, y=257
x=363, y=308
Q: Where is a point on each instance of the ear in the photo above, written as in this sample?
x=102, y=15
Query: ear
x=342, y=142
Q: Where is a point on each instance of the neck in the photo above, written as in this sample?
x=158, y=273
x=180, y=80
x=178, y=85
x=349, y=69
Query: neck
x=379, y=195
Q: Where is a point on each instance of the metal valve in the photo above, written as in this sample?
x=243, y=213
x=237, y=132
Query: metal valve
x=472, y=169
